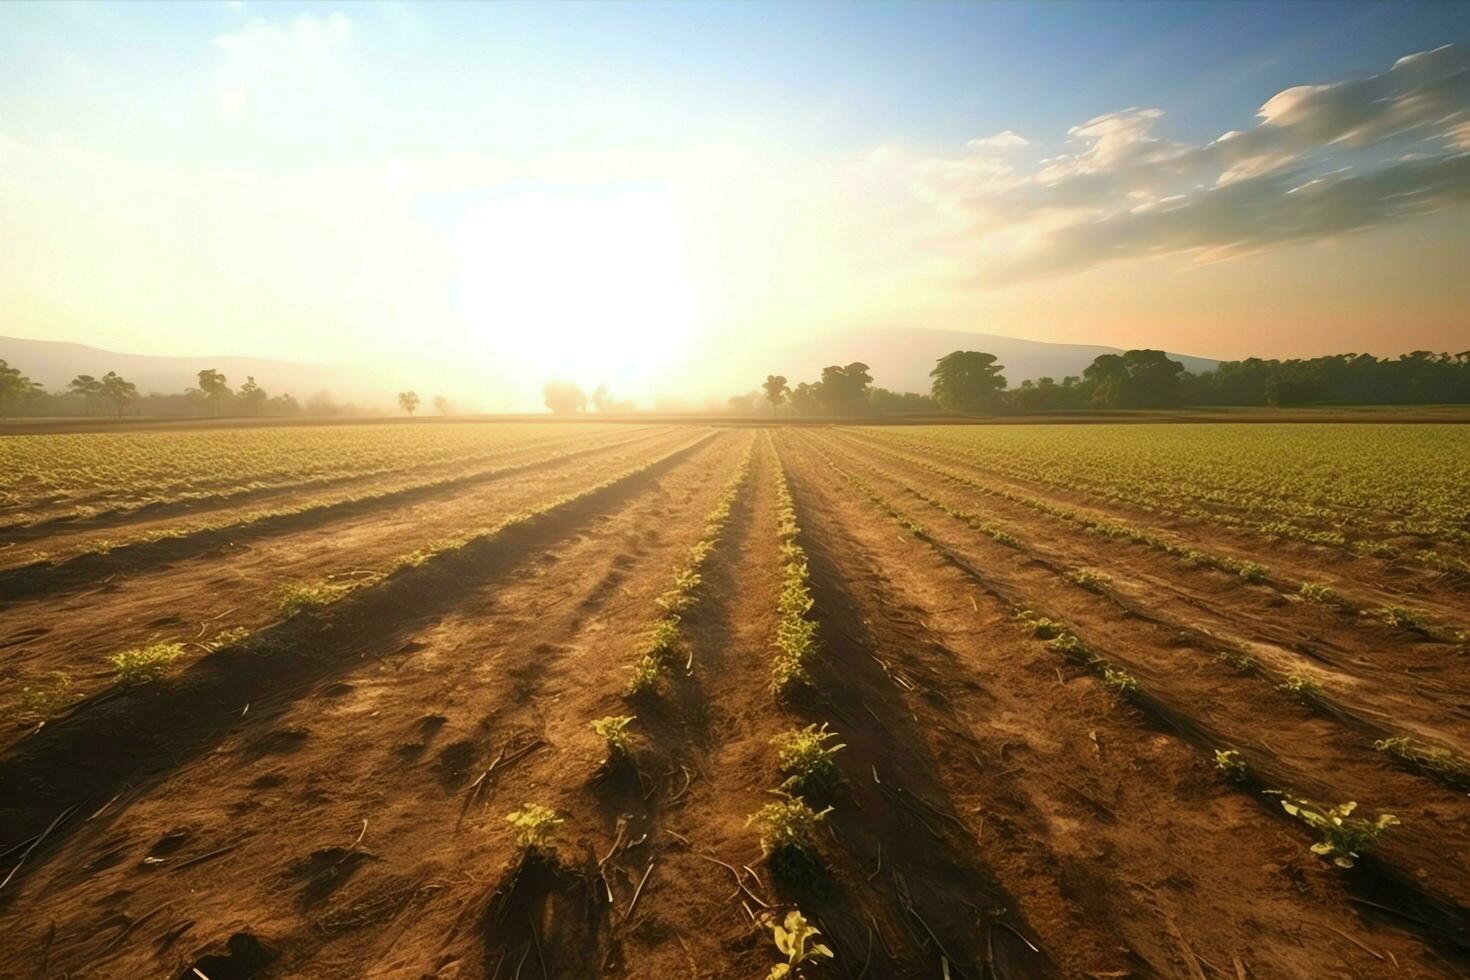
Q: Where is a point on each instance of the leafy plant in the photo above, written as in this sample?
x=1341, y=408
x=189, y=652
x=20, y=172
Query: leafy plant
x=613, y=729
x=1039, y=626
x=1233, y=767
x=44, y=701
x=786, y=825
x=309, y=598
x=1402, y=618
x=1090, y=580
x=1319, y=593
x=533, y=824
x=148, y=663
x=805, y=759
x=1300, y=686
x=795, y=938
x=1344, y=837
x=1442, y=763
x=1120, y=680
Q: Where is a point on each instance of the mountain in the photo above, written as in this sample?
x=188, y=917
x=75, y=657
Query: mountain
x=54, y=363
x=902, y=357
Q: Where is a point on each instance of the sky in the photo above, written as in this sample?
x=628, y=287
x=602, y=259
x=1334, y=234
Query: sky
x=638, y=195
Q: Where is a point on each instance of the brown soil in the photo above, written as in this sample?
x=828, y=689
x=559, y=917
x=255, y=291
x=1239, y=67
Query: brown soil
x=328, y=796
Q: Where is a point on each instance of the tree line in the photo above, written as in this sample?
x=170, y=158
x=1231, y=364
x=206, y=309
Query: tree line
x=973, y=382
x=112, y=394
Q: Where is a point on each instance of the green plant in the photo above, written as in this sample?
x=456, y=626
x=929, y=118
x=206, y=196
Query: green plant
x=805, y=759
x=1233, y=767
x=1436, y=761
x=1090, y=580
x=1242, y=662
x=1316, y=592
x=795, y=940
x=229, y=637
x=1120, y=680
x=145, y=663
x=646, y=670
x=613, y=729
x=786, y=825
x=44, y=701
x=309, y=598
x=1069, y=646
x=1402, y=618
x=1344, y=837
x=533, y=825
x=1300, y=686
x=1039, y=626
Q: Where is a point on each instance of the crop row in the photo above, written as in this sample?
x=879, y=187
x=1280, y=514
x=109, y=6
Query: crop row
x=1183, y=551
x=1313, y=486
x=662, y=643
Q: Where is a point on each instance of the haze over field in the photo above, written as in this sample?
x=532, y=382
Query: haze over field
x=670, y=199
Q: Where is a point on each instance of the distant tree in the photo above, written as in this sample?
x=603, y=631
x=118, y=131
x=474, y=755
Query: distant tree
x=15, y=388
x=213, y=388
x=776, y=390
x=441, y=404
x=602, y=399
x=844, y=390
x=408, y=401
x=885, y=402
x=743, y=404
x=1135, y=379
x=564, y=398
x=119, y=391
x=253, y=395
x=968, y=381
x=805, y=398
x=89, y=388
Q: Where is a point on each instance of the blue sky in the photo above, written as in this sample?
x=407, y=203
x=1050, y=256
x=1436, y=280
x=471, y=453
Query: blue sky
x=287, y=179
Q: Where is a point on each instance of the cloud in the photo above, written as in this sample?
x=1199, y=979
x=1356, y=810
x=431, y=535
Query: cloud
x=1006, y=139
x=268, y=64
x=1324, y=160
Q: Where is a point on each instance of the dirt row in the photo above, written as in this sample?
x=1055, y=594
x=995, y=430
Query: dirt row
x=237, y=584
x=1372, y=580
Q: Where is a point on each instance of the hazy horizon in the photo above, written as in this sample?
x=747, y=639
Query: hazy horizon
x=649, y=196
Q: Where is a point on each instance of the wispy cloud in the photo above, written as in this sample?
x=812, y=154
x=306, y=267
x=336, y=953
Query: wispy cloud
x=268, y=62
x=1324, y=160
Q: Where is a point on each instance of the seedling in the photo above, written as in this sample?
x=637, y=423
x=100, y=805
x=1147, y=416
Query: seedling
x=1120, y=680
x=533, y=826
x=1344, y=837
x=1300, y=686
x=142, y=664
x=1401, y=618
x=613, y=729
x=786, y=826
x=1090, y=580
x=1442, y=763
x=796, y=941
x=805, y=758
x=43, y=702
x=1319, y=593
x=1039, y=626
x=309, y=598
x=1233, y=767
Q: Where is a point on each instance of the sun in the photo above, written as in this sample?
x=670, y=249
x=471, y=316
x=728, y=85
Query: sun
x=590, y=287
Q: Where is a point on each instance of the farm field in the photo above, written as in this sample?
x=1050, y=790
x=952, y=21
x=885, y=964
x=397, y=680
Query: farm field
x=531, y=700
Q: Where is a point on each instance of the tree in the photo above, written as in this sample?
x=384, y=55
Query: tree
x=844, y=390
x=15, y=388
x=408, y=401
x=119, y=391
x=968, y=381
x=441, y=404
x=213, y=387
x=89, y=388
x=253, y=395
x=564, y=398
x=776, y=390
x=1134, y=379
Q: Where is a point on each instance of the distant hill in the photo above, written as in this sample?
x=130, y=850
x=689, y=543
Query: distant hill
x=902, y=357
x=54, y=363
